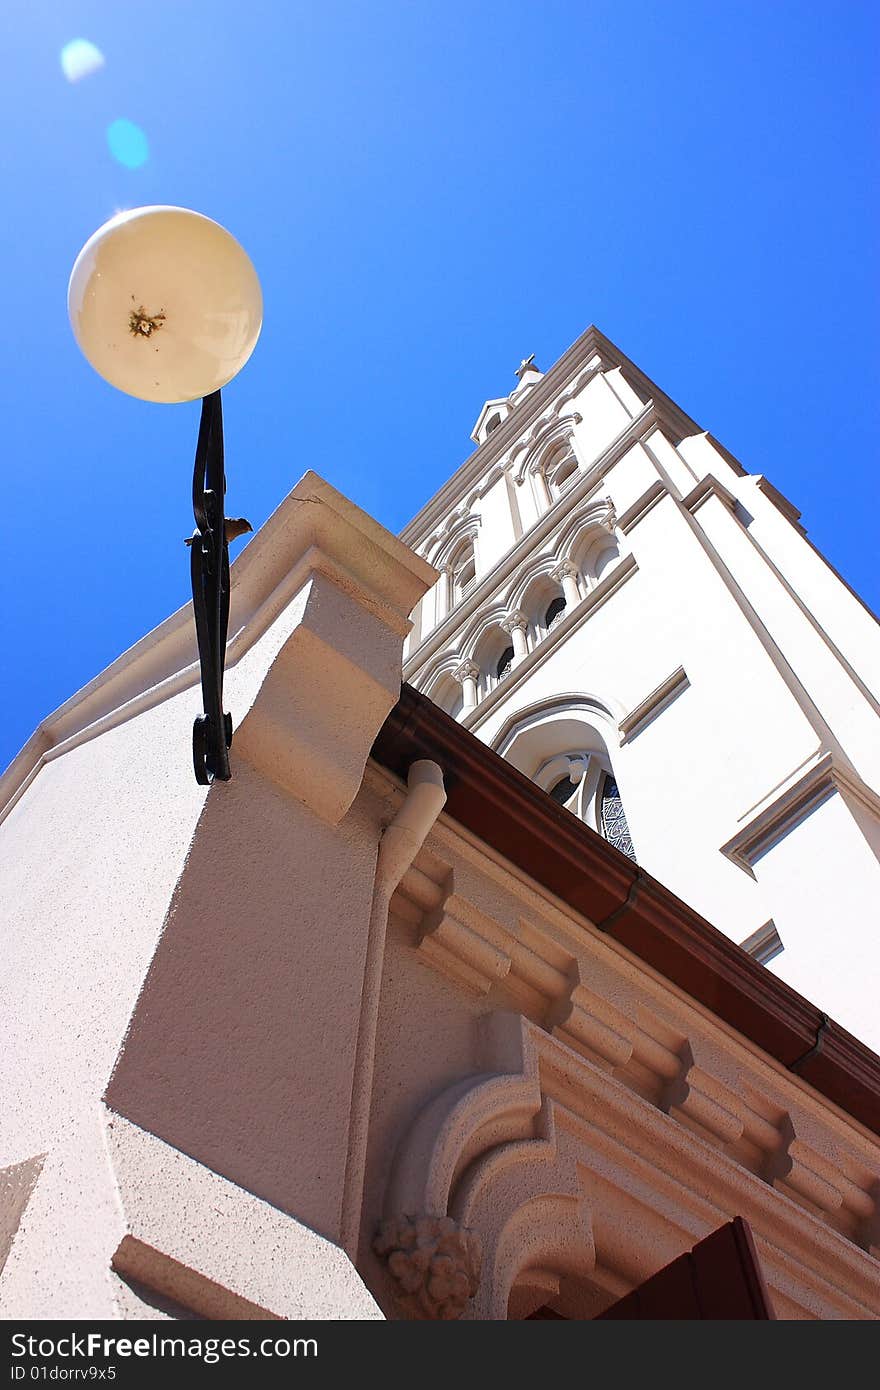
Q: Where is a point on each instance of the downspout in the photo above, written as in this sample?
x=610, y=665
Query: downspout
x=399, y=845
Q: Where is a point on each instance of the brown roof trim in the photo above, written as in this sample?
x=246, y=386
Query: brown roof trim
x=502, y=807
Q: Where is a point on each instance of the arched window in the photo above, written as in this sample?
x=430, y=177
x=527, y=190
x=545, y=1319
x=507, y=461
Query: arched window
x=563, y=745
x=462, y=572
x=559, y=470
x=493, y=422
x=505, y=663
x=596, y=552
x=564, y=790
x=613, y=819
x=555, y=612
x=447, y=693
x=541, y=600
x=591, y=794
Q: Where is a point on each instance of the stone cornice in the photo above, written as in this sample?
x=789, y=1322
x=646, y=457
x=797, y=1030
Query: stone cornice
x=708, y=487
x=766, y=823
x=523, y=1111
x=653, y=704
x=588, y=345
x=642, y=505
x=780, y=502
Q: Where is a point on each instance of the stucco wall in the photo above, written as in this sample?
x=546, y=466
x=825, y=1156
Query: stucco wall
x=205, y=947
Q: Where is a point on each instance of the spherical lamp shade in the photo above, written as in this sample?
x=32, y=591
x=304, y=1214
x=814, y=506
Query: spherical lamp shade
x=165, y=304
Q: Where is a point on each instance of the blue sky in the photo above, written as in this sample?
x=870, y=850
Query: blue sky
x=429, y=193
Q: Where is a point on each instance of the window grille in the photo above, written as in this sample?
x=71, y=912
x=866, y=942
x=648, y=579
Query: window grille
x=555, y=613
x=505, y=663
x=614, y=826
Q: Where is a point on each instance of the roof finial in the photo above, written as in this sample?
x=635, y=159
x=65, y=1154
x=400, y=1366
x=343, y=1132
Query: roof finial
x=526, y=365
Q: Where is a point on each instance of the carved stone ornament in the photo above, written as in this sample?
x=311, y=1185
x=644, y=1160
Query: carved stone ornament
x=514, y=620
x=434, y=1262
x=468, y=670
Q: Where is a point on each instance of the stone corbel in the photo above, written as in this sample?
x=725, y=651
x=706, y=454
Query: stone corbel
x=703, y=1103
x=485, y=1153
x=798, y=1168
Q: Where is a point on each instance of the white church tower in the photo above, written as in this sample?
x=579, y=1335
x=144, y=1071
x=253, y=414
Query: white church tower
x=642, y=627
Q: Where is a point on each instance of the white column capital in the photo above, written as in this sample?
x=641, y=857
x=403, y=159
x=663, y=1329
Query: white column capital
x=513, y=621
x=566, y=569
x=467, y=671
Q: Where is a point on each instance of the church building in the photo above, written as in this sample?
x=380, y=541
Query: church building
x=524, y=968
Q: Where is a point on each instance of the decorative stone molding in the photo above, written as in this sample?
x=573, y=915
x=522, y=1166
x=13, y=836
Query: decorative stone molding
x=580, y=611
x=524, y=1155
x=331, y=673
x=752, y=1117
x=541, y=441
x=434, y=1262
x=780, y=502
x=705, y=489
x=640, y=715
x=515, y=621
x=596, y=515
x=461, y=529
x=467, y=671
x=643, y=505
x=318, y=561
x=791, y=802
x=566, y=574
x=508, y=571
x=765, y=943
x=566, y=569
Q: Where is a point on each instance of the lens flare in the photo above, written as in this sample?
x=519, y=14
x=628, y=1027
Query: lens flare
x=80, y=58
x=128, y=144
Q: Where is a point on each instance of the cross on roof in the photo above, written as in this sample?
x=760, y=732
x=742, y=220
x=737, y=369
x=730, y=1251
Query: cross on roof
x=526, y=365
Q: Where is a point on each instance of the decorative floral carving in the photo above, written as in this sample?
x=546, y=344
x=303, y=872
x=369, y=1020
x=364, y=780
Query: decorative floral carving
x=467, y=671
x=434, y=1262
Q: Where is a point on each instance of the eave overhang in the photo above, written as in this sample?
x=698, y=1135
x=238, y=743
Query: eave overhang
x=510, y=814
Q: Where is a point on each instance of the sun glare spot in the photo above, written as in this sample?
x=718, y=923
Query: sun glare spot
x=128, y=144
x=80, y=59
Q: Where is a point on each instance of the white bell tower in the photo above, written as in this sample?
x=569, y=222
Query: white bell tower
x=641, y=627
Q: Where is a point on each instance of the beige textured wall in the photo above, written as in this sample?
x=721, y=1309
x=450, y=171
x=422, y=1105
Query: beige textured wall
x=251, y=901
x=90, y=856
x=241, y=1048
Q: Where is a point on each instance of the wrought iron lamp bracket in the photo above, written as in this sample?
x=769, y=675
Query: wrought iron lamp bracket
x=209, y=570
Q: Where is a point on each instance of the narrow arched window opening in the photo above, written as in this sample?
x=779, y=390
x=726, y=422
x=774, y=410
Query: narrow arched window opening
x=555, y=612
x=462, y=572
x=613, y=818
x=563, y=791
x=505, y=663
x=564, y=473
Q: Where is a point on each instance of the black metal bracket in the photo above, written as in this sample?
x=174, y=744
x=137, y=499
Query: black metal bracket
x=209, y=569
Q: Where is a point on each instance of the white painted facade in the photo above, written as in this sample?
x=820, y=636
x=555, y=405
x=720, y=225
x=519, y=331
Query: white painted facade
x=617, y=595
